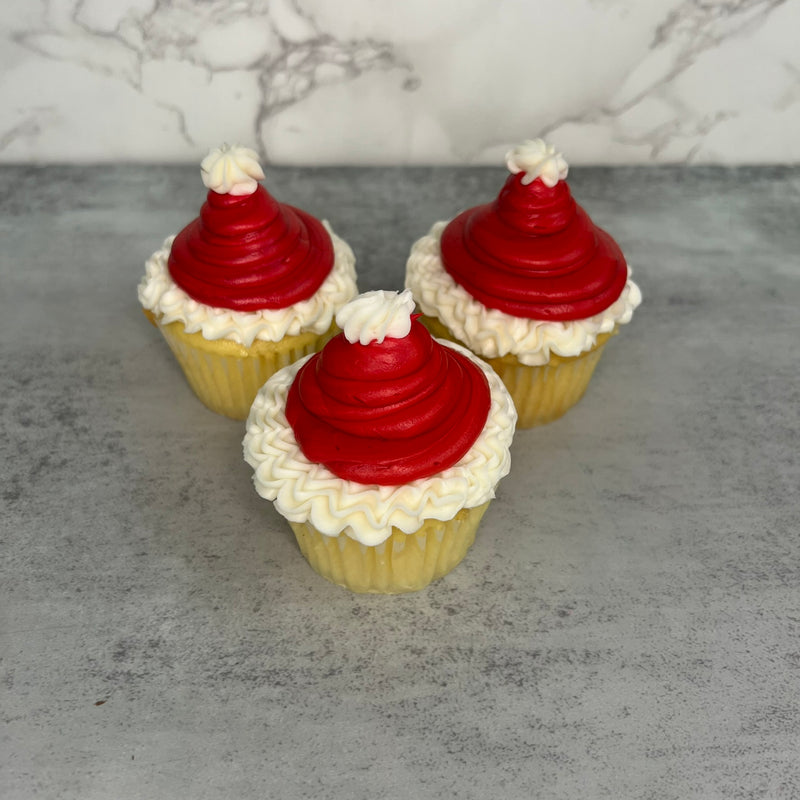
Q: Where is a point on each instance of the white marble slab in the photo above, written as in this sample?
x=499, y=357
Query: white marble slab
x=422, y=81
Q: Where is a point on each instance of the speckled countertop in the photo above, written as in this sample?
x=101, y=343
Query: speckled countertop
x=627, y=624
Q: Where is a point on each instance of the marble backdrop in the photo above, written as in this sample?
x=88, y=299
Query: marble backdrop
x=417, y=81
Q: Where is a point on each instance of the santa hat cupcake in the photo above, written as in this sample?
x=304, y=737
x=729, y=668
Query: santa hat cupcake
x=247, y=287
x=383, y=450
x=527, y=282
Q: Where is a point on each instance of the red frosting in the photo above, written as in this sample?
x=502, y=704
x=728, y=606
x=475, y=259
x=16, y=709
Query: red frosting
x=390, y=412
x=534, y=253
x=250, y=252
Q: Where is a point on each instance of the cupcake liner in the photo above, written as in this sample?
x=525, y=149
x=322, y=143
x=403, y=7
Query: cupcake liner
x=405, y=562
x=225, y=375
x=543, y=393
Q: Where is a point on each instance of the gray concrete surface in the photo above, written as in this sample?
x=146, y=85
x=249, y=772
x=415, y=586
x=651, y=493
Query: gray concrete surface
x=627, y=624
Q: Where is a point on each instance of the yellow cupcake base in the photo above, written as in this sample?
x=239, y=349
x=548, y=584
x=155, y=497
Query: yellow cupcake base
x=541, y=394
x=405, y=562
x=225, y=375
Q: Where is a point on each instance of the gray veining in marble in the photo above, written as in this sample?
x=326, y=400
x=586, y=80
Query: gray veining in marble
x=627, y=625
x=360, y=82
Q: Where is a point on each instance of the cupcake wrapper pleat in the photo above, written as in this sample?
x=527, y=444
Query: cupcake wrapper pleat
x=544, y=393
x=405, y=562
x=227, y=382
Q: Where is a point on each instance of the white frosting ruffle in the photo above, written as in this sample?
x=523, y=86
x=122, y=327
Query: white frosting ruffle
x=304, y=491
x=373, y=316
x=492, y=333
x=161, y=295
x=537, y=159
x=231, y=170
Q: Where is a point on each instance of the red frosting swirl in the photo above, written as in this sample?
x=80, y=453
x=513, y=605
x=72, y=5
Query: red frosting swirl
x=249, y=252
x=534, y=253
x=388, y=412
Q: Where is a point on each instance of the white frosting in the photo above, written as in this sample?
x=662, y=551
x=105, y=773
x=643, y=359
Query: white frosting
x=537, y=159
x=231, y=170
x=492, y=333
x=373, y=316
x=304, y=491
x=161, y=295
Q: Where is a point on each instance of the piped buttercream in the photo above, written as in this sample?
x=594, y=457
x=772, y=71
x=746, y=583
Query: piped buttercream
x=392, y=409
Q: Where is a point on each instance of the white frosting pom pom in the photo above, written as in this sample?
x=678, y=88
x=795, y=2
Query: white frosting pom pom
x=537, y=159
x=373, y=316
x=231, y=169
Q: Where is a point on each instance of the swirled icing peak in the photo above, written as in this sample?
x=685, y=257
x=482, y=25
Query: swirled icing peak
x=534, y=252
x=537, y=159
x=246, y=251
x=373, y=316
x=231, y=169
x=389, y=411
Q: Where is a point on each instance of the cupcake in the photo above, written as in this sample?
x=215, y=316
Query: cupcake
x=528, y=283
x=382, y=451
x=248, y=287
